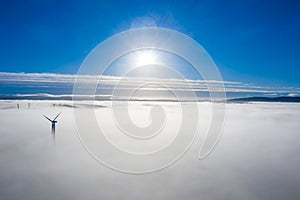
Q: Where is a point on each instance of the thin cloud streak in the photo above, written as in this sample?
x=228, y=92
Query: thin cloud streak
x=149, y=83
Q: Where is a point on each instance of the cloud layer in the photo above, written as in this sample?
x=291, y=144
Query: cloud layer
x=63, y=83
x=256, y=158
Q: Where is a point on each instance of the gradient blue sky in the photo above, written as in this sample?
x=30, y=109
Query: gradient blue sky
x=251, y=41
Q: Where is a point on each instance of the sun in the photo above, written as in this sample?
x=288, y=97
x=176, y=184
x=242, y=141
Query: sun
x=145, y=58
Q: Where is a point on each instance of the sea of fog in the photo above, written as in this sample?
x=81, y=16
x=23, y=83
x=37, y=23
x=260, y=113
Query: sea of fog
x=257, y=156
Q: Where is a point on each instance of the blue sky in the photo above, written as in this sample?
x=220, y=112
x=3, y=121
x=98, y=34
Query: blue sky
x=251, y=41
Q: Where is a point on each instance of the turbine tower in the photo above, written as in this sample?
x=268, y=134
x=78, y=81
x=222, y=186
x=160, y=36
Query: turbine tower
x=53, y=122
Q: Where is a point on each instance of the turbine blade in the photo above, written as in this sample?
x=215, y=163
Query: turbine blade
x=47, y=118
x=56, y=116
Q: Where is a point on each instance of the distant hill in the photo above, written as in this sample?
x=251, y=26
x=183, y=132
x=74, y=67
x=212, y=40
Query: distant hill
x=267, y=99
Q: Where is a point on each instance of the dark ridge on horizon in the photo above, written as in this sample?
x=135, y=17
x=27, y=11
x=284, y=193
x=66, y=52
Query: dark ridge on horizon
x=283, y=99
x=84, y=98
x=37, y=97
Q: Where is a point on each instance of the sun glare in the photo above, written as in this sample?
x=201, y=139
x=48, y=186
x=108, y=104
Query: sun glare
x=145, y=58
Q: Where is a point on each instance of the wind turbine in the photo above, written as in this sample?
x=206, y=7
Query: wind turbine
x=53, y=123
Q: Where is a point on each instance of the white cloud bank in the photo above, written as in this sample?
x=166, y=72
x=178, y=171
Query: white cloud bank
x=256, y=158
